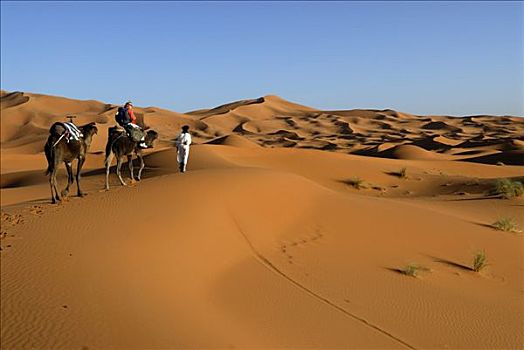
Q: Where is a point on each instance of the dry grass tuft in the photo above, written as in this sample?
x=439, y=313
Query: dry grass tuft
x=507, y=188
x=479, y=261
x=356, y=182
x=413, y=270
x=507, y=225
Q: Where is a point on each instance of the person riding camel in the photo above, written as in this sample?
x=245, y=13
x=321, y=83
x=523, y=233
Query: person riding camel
x=125, y=117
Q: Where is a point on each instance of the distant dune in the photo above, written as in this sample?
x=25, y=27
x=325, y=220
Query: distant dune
x=293, y=228
x=233, y=140
x=274, y=122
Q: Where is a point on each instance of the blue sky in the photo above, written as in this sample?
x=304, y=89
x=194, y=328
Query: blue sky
x=459, y=58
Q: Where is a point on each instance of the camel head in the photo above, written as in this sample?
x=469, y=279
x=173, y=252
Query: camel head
x=151, y=135
x=89, y=129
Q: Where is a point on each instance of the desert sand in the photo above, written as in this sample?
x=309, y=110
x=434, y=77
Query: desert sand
x=291, y=229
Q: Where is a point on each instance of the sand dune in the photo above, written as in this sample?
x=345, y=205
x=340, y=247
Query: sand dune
x=270, y=121
x=290, y=230
x=226, y=108
x=233, y=140
x=409, y=152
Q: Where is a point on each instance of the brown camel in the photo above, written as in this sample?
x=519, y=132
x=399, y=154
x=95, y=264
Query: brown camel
x=120, y=145
x=59, y=149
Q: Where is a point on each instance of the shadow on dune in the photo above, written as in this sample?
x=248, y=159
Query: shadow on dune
x=396, y=270
x=482, y=224
x=394, y=173
x=25, y=178
x=38, y=201
x=157, y=163
x=472, y=199
x=14, y=99
x=507, y=158
x=38, y=177
x=148, y=172
x=451, y=263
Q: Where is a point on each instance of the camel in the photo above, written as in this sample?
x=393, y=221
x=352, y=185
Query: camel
x=121, y=145
x=59, y=149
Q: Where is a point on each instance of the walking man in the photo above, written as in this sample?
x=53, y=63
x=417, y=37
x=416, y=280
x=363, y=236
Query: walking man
x=182, y=144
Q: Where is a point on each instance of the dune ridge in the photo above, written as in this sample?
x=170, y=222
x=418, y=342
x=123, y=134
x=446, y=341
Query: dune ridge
x=271, y=121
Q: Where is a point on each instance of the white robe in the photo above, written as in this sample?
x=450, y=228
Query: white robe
x=182, y=143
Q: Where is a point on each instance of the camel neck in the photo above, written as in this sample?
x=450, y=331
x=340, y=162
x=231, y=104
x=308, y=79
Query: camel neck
x=87, y=139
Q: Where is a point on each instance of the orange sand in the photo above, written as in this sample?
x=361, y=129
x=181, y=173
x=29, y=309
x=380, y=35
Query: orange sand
x=264, y=242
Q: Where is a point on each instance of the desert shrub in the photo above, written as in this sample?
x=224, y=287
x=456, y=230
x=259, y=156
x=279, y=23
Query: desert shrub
x=479, y=261
x=507, y=225
x=413, y=270
x=507, y=188
x=356, y=182
x=402, y=173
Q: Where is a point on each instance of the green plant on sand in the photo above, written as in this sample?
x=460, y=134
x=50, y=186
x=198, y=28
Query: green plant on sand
x=507, y=188
x=413, y=270
x=356, y=182
x=479, y=261
x=507, y=225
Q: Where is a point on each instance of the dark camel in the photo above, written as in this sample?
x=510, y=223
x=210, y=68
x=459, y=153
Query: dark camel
x=58, y=149
x=120, y=145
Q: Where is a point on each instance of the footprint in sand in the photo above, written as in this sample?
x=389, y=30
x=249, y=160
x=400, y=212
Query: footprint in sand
x=299, y=242
x=37, y=210
x=9, y=220
x=12, y=219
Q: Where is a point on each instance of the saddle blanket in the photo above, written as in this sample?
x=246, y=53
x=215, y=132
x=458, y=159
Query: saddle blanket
x=72, y=131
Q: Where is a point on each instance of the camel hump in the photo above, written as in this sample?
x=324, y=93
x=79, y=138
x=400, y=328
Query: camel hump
x=67, y=129
x=57, y=129
x=114, y=130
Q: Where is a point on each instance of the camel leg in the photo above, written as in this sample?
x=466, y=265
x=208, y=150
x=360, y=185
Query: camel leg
x=81, y=161
x=52, y=191
x=51, y=171
x=118, y=167
x=141, y=167
x=54, y=173
x=48, y=156
x=51, y=185
x=54, y=185
x=70, y=179
x=130, y=165
x=107, y=162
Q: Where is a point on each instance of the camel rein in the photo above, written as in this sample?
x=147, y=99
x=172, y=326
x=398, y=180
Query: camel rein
x=60, y=138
